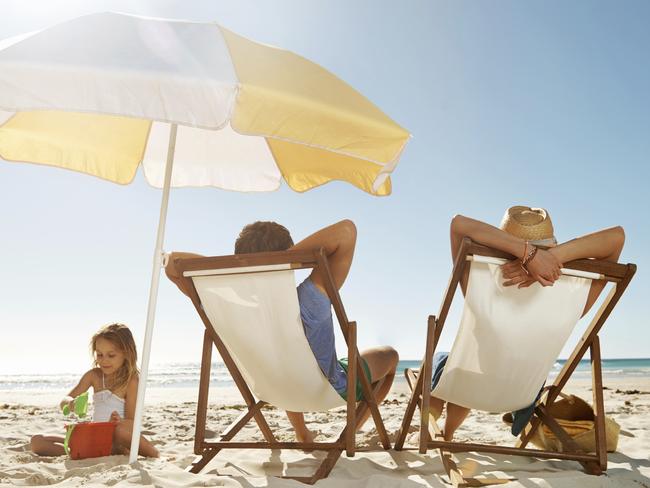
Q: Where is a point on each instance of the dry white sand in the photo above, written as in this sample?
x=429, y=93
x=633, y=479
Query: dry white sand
x=169, y=423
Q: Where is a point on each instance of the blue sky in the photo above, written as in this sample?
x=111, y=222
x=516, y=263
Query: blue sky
x=540, y=103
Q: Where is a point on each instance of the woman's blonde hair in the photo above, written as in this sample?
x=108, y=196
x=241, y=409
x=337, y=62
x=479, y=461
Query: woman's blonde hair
x=120, y=336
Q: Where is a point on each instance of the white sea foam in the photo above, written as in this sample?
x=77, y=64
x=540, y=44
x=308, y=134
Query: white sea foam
x=186, y=374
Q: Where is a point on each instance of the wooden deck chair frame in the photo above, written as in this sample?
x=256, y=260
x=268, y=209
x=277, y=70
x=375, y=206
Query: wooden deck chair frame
x=206, y=450
x=430, y=432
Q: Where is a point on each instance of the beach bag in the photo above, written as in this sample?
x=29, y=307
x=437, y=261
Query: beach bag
x=576, y=417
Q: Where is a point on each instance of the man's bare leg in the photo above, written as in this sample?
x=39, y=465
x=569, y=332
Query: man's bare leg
x=382, y=362
x=303, y=434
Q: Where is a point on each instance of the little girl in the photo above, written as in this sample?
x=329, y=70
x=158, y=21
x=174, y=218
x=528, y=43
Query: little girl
x=114, y=380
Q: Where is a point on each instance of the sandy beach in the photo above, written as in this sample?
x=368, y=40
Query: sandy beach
x=169, y=423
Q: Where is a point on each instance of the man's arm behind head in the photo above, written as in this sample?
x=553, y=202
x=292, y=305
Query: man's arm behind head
x=338, y=242
x=174, y=274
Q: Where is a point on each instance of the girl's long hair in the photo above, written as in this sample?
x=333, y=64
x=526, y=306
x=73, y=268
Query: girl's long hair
x=120, y=336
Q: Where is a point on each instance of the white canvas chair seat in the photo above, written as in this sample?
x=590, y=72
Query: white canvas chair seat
x=249, y=306
x=506, y=344
x=508, y=339
x=258, y=318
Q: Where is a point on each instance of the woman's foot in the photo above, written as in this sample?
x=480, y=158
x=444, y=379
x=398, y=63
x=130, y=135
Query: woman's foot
x=435, y=407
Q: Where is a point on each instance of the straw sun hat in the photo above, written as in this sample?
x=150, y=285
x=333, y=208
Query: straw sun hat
x=530, y=224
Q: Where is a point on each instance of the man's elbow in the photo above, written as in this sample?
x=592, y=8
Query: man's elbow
x=170, y=269
x=347, y=230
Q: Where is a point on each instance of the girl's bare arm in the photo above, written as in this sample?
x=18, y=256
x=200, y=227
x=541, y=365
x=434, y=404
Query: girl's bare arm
x=130, y=398
x=84, y=384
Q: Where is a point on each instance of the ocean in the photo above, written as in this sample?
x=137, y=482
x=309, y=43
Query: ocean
x=186, y=375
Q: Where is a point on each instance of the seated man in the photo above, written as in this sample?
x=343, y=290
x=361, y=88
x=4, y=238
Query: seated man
x=527, y=233
x=338, y=242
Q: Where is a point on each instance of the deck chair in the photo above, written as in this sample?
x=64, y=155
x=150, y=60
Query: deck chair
x=249, y=306
x=504, y=350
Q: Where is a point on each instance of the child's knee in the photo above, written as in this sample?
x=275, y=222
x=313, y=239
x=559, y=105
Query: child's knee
x=36, y=444
x=36, y=440
x=122, y=432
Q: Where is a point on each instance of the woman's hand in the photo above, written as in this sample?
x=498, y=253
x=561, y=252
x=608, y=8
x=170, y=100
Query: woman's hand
x=544, y=267
x=515, y=274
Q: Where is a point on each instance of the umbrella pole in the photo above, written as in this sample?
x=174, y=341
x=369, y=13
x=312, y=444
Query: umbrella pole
x=153, y=297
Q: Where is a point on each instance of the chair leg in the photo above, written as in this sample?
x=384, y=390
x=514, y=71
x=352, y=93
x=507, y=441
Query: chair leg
x=599, y=404
x=202, y=461
x=326, y=466
x=408, y=415
x=568, y=444
x=204, y=385
x=420, y=392
x=456, y=477
x=425, y=384
x=376, y=416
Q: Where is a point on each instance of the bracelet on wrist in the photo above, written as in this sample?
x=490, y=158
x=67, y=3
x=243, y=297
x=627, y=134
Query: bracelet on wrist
x=523, y=256
x=529, y=255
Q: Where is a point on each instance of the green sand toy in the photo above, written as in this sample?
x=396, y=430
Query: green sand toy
x=80, y=410
x=80, y=405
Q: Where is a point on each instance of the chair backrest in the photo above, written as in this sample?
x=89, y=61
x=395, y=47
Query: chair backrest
x=508, y=339
x=255, y=312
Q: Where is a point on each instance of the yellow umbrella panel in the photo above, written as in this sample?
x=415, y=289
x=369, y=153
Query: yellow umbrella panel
x=219, y=109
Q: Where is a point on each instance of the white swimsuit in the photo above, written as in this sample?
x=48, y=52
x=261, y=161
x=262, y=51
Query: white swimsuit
x=105, y=403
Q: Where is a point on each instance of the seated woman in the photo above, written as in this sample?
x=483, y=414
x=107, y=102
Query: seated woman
x=528, y=234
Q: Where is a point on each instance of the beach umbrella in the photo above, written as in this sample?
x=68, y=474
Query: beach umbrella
x=106, y=92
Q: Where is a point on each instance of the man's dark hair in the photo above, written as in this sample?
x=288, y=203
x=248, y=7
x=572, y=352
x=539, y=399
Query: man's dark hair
x=263, y=237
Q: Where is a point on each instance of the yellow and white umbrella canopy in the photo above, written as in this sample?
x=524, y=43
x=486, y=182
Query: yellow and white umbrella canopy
x=98, y=94
x=196, y=104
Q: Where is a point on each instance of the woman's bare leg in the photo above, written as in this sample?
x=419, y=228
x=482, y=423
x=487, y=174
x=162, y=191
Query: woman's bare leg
x=435, y=406
x=455, y=417
x=47, y=445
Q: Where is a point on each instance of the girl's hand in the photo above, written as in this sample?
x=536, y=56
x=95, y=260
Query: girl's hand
x=544, y=267
x=115, y=417
x=69, y=402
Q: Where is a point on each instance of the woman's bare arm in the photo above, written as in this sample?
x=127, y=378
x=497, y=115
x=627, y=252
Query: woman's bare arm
x=606, y=244
x=544, y=267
